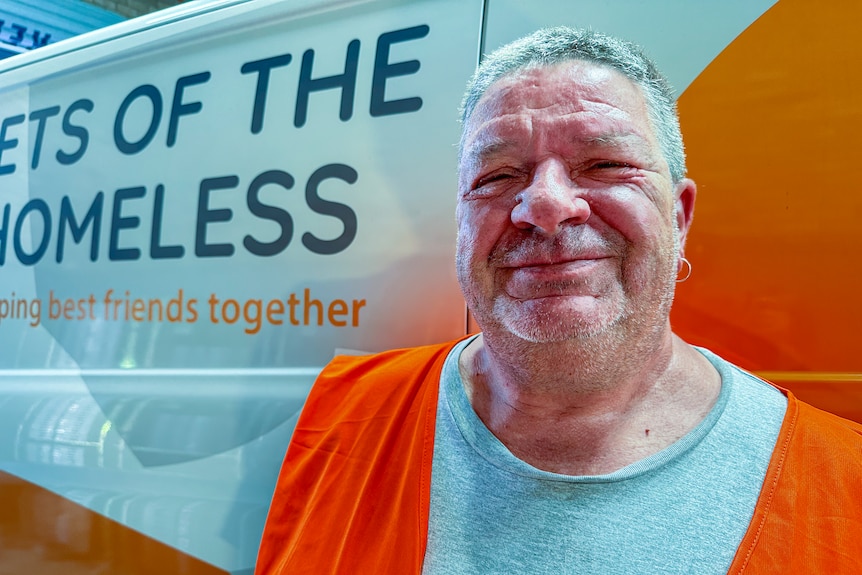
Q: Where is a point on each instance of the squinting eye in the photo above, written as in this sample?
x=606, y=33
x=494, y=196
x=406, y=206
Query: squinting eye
x=492, y=178
x=609, y=164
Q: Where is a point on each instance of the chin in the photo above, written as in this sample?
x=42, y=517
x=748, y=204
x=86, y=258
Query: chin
x=557, y=325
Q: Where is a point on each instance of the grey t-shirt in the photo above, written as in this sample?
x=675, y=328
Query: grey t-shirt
x=682, y=510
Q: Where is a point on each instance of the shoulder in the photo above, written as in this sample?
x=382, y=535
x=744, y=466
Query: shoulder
x=803, y=423
x=359, y=370
x=823, y=447
x=807, y=519
x=368, y=382
x=395, y=362
x=820, y=427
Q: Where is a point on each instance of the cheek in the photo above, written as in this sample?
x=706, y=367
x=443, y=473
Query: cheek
x=480, y=225
x=635, y=217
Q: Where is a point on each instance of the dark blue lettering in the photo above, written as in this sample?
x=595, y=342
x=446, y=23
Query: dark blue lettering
x=67, y=219
x=158, y=251
x=329, y=208
x=178, y=108
x=19, y=34
x=115, y=253
x=146, y=91
x=10, y=143
x=383, y=70
x=40, y=39
x=346, y=81
x=41, y=207
x=4, y=234
x=207, y=216
x=75, y=131
x=267, y=212
x=262, y=67
x=40, y=116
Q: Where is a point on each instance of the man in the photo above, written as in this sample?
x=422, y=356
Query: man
x=576, y=433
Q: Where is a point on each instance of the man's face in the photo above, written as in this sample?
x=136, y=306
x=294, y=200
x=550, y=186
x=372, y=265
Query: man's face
x=567, y=214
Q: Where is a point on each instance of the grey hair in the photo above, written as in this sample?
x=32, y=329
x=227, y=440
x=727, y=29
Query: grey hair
x=551, y=46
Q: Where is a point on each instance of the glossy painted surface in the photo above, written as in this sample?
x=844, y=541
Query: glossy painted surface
x=44, y=533
x=124, y=441
x=248, y=229
x=772, y=131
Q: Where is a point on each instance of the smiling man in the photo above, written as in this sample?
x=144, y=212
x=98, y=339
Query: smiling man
x=576, y=433
x=570, y=237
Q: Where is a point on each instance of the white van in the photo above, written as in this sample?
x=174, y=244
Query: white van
x=199, y=207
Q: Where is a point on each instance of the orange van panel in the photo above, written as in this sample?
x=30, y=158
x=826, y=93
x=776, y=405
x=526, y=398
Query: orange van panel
x=772, y=128
x=65, y=538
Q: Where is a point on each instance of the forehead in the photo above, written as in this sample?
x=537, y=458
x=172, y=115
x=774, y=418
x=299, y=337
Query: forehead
x=579, y=99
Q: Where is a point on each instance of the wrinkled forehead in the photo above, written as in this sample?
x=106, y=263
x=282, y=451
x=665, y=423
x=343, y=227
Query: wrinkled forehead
x=573, y=78
x=599, y=100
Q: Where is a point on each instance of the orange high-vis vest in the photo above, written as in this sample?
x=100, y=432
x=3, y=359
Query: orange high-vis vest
x=354, y=490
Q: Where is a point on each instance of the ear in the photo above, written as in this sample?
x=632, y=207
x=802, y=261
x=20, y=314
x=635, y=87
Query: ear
x=686, y=191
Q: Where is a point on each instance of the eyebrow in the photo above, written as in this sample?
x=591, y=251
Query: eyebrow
x=495, y=146
x=480, y=153
x=610, y=138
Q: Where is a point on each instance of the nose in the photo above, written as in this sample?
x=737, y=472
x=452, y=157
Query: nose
x=550, y=199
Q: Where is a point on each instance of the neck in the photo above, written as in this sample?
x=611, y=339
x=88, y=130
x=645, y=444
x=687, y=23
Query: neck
x=576, y=368
x=589, y=408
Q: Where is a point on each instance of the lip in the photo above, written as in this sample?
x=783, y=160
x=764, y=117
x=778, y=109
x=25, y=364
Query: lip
x=549, y=263
x=558, y=273
x=538, y=280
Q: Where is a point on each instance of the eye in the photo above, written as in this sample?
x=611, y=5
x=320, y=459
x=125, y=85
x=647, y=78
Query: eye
x=495, y=178
x=610, y=164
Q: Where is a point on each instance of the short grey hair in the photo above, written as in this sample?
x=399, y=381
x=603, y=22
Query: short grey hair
x=551, y=46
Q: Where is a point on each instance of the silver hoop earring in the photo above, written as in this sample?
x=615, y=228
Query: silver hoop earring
x=684, y=263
